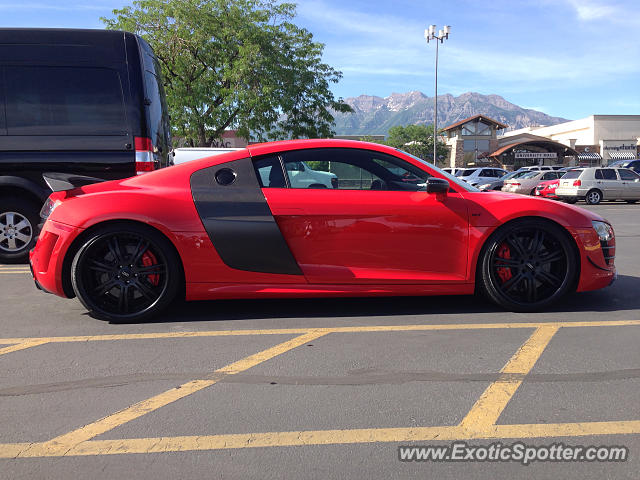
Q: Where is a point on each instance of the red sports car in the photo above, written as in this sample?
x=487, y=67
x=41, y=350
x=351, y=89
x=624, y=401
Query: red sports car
x=311, y=218
x=547, y=189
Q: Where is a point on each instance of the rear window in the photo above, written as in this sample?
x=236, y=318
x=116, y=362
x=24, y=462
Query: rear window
x=64, y=101
x=572, y=174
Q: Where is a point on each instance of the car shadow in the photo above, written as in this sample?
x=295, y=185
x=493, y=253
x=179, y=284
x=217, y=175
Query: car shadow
x=623, y=295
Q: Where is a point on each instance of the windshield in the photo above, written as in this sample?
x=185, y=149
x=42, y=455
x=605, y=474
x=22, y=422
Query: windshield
x=516, y=174
x=464, y=185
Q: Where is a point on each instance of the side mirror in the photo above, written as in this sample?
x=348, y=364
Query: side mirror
x=437, y=185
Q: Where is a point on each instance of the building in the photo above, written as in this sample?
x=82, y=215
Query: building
x=598, y=139
x=595, y=140
x=471, y=140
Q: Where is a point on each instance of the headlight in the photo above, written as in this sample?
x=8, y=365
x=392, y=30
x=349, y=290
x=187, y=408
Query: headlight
x=604, y=230
x=48, y=208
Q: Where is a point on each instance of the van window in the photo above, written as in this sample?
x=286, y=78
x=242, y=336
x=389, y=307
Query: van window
x=64, y=101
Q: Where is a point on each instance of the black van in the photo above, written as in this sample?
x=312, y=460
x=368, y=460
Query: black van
x=86, y=102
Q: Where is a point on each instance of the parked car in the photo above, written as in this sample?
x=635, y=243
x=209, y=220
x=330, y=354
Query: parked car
x=527, y=183
x=83, y=102
x=479, y=176
x=497, y=184
x=595, y=184
x=187, y=154
x=630, y=164
x=547, y=189
x=542, y=167
x=451, y=171
x=214, y=229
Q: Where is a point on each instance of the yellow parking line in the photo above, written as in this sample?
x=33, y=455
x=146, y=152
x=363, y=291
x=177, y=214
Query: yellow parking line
x=293, y=331
x=323, y=437
x=22, y=346
x=493, y=401
x=63, y=443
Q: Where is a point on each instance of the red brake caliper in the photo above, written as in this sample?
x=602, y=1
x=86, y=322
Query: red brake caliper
x=149, y=259
x=504, y=272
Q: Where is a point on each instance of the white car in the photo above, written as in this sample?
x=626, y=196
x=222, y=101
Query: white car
x=301, y=176
x=186, y=154
x=595, y=184
x=479, y=176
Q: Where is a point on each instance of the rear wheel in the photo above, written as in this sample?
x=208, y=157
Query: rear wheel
x=594, y=197
x=18, y=221
x=571, y=200
x=527, y=265
x=126, y=273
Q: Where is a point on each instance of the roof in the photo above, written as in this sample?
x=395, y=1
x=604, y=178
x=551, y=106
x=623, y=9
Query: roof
x=501, y=150
x=476, y=117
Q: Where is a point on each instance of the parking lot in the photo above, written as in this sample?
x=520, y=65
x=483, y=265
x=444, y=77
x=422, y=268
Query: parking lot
x=319, y=388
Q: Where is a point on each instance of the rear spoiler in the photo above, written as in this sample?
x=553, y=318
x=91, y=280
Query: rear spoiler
x=68, y=181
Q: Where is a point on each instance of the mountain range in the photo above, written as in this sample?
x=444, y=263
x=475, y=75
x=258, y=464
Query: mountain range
x=376, y=115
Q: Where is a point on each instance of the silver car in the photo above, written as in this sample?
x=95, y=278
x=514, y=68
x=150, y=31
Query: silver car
x=595, y=184
x=527, y=183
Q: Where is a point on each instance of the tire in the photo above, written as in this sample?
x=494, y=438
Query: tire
x=593, y=197
x=527, y=265
x=631, y=201
x=571, y=200
x=19, y=220
x=126, y=273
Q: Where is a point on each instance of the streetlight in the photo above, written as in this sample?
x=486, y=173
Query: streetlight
x=430, y=34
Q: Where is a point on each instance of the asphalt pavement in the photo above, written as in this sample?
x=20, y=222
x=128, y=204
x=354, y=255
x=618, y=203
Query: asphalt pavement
x=320, y=388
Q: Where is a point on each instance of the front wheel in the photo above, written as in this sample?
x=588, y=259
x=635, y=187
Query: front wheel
x=527, y=265
x=126, y=273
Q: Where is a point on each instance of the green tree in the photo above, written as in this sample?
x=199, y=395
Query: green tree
x=236, y=64
x=415, y=139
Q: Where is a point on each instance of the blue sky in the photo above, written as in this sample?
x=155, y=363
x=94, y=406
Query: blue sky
x=569, y=58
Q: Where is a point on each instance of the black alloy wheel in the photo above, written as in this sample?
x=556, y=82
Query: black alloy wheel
x=527, y=265
x=125, y=273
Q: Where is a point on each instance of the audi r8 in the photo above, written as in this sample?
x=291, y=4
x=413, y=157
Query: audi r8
x=237, y=226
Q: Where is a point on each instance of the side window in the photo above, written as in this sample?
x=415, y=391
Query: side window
x=351, y=169
x=64, y=101
x=269, y=172
x=598, y=174
x=549, y=176
x=609, y=174
x=628, y=175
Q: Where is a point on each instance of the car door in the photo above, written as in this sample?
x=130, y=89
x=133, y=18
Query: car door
x=607, y=181
x=377, y=226
x=630, y=184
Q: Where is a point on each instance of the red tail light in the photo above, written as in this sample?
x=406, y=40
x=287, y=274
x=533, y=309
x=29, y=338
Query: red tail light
x=577, y=183
x=515, y=184
x=145, y=159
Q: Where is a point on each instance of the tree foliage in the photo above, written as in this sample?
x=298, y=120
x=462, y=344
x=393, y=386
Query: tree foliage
x=237, y=64
x=415, y=139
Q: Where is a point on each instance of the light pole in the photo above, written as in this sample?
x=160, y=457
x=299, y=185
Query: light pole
x=430, y=34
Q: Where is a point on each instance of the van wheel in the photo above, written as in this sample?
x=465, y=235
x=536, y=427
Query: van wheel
x=18, y=222
x=594, y=197
x=125, y=273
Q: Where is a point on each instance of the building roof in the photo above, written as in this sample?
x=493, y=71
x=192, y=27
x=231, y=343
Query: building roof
x=501, y=150
x=476, y=117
